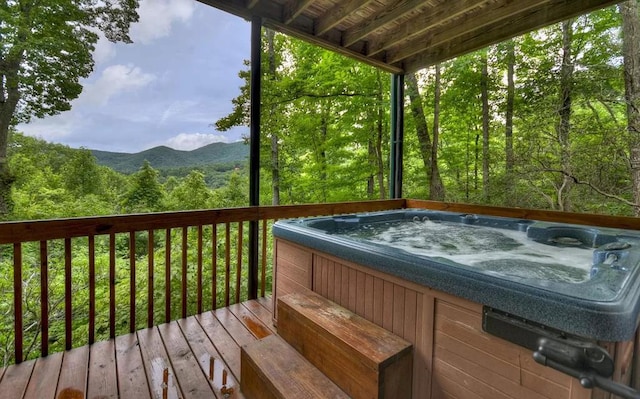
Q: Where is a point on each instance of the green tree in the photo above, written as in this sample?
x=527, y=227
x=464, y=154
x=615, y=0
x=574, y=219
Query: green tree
x=81, y=174
x=191, y=193
x=45, y=49
x=146, y=193
x=631, y=54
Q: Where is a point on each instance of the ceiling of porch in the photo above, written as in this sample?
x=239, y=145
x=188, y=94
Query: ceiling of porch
x=406, y=35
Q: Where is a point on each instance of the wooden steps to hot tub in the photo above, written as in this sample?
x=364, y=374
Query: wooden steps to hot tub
x=272, y=369
x=361, y=358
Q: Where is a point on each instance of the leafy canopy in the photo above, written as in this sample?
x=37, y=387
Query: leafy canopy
x=48, y=46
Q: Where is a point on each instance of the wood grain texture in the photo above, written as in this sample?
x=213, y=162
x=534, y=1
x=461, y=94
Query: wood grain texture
x=15, y=379
x=132, y=380
x=44, y=378
x=273, y=369
x=448, y=340
x=103, y=382
x=131, y=366
x=363, y=359
x=73, y=375
x=185, y=365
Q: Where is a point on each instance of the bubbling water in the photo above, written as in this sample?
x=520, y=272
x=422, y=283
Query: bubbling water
x=490, y=250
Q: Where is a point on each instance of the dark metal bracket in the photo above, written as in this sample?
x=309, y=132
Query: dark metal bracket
x=582, y=359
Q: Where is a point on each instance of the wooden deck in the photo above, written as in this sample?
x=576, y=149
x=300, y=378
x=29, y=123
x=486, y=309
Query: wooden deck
x=195, y=357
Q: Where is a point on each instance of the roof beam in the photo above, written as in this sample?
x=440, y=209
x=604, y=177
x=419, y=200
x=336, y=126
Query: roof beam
x=498, y=31
x=354, y=34
x=337, y=14
x=293, y=9
x=503, y=16
x=420, y=24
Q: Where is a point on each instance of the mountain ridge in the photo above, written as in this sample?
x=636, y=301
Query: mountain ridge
x=163, y=157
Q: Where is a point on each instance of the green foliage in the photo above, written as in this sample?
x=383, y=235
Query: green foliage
x=191, y=193
x=145, y=193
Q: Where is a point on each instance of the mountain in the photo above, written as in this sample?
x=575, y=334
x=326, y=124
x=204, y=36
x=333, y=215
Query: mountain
x=162, y=158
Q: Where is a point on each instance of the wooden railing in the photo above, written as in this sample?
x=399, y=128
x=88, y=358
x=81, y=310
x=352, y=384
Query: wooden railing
x=139, y=267
x=141, y=270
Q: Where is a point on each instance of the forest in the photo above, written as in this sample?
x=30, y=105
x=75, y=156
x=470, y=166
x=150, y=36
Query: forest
x=545, y=120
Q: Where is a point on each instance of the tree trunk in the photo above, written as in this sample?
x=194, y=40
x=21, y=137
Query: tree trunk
x=422, y=131
x=508, y=146
x=9, y=98
x=484, y=86
x=380, y=134
x=372, y=165
x=322, y=155
x=631, y=55
x=564, y=114
x=275, y=163
x=436, y=188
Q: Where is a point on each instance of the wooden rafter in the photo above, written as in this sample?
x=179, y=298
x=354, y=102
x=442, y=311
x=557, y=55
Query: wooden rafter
x=337, y=14
x=406, y=35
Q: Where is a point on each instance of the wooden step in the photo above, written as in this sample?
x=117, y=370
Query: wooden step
x=272, y=369
x=362, y=358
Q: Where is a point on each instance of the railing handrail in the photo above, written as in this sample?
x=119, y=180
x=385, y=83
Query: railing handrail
x=42, y=230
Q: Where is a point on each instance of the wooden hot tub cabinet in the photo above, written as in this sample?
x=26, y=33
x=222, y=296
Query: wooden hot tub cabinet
x=453, y=357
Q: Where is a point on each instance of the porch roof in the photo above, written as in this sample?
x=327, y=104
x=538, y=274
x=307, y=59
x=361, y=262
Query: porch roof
x=402, y=36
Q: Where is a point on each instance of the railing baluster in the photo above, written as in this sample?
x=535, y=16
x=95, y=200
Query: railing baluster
x=214, y=266
x=112, y=285
x=150, y=257
x=184, y=272
x=199, y=277
x=167, y=277
x=44, y=299
x=239, y=264
x=115, y=227
x=132, y=281
x=92, y=289
x=263, y=263
x=227, y=261
x=68, y=311
x=17, y=300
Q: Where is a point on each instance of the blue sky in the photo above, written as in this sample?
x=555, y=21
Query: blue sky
x=167, y=88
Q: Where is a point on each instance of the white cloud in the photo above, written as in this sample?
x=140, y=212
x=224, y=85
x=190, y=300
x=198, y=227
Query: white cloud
x=177, y=108
x=105, y=50
x=157, y=17
x=114, y=80
x=53, y=128
x=191, y=141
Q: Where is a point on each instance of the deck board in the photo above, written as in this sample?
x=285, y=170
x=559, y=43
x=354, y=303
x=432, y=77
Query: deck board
x=211, y=362
x=264, y=315
x=192, y=383
x=73, y=374
x=15, y=379
x=103, y=382
x=132, y=380
x=44, y=379
x=131, y=366
x=223, y=342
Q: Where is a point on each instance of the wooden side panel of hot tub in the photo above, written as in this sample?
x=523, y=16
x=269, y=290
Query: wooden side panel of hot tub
x=453, y=357
x=292, y=270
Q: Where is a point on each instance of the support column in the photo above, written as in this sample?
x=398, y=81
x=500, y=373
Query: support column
x=397, y=135
x=254, y=152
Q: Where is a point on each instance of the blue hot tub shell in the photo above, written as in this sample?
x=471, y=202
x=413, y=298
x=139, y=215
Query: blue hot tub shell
x=605, y=306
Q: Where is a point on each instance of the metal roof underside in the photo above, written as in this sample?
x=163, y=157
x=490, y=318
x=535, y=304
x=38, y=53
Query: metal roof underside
x=405, y=35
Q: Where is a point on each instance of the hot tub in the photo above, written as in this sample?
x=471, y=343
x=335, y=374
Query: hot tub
x=582, y=280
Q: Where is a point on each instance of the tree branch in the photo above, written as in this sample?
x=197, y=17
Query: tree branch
x=596, y=189
x=315, y=95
